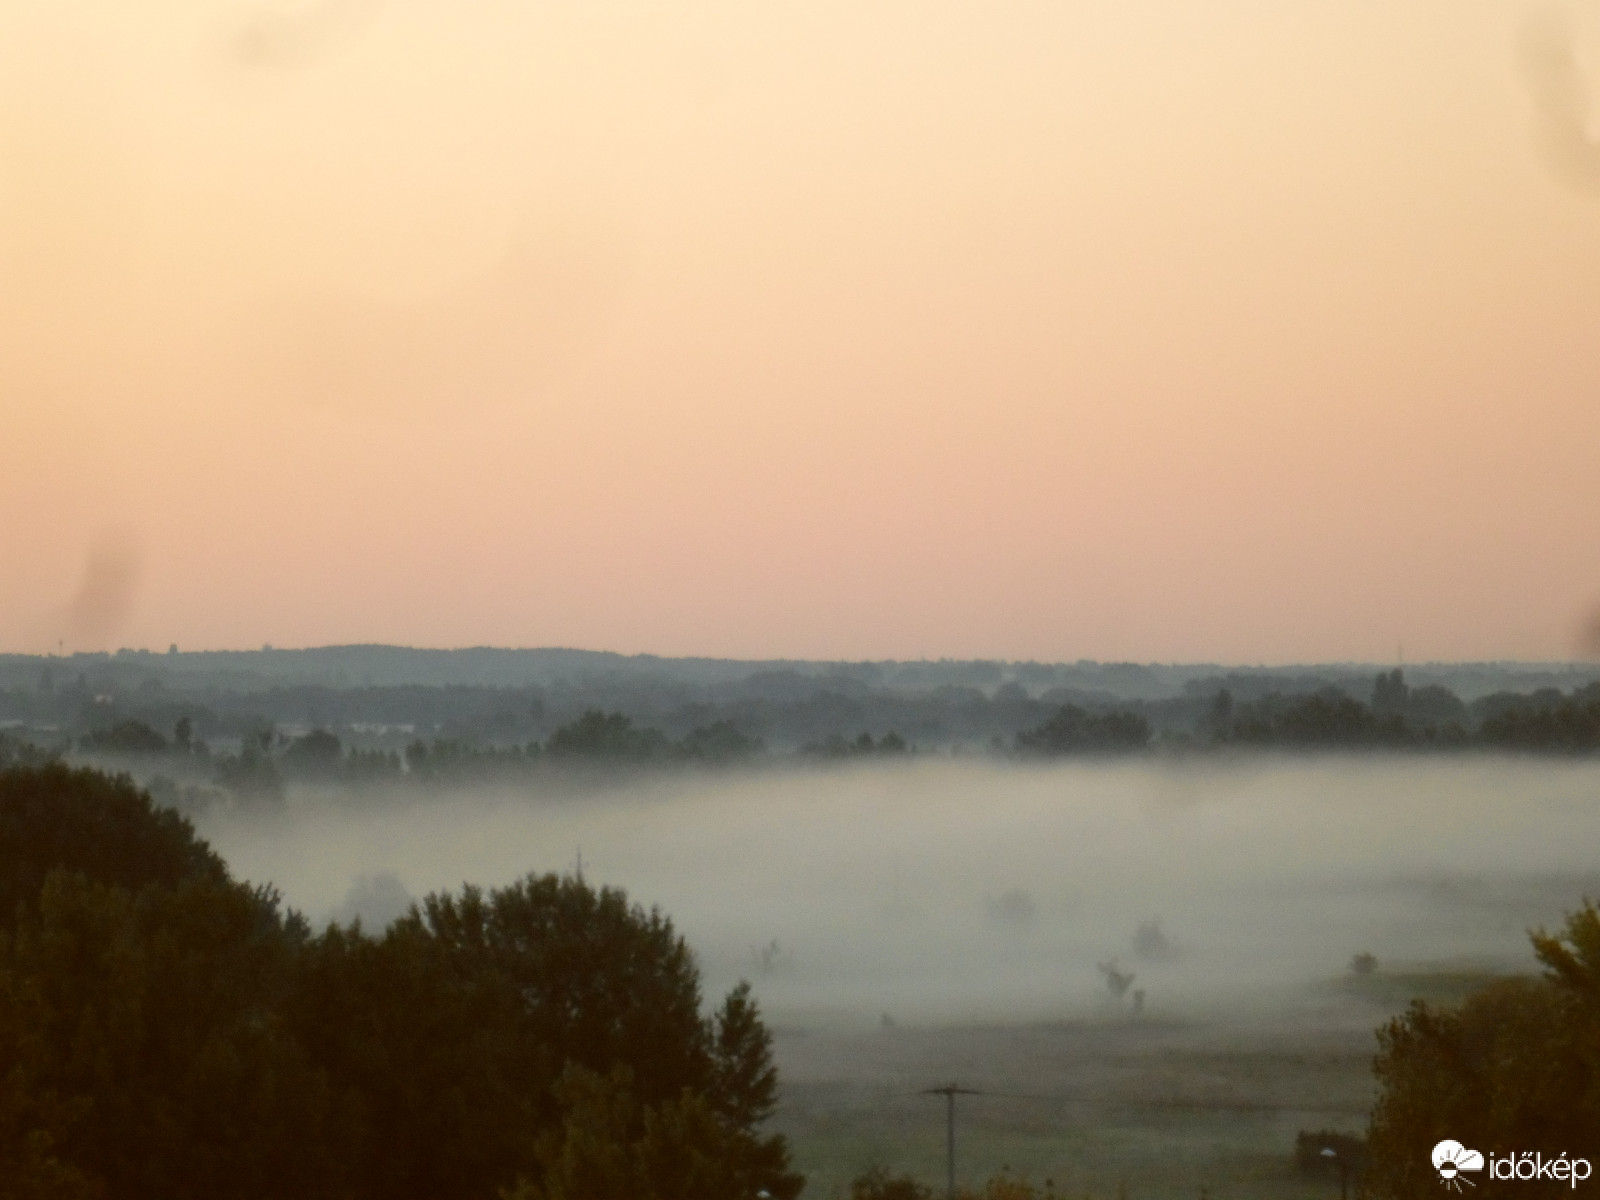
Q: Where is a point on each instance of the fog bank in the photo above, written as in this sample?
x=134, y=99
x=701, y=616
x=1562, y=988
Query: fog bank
x=938, y=891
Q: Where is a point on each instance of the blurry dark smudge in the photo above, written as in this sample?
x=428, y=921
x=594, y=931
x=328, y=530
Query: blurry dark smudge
x=282, y=40
x=105, y=594
x=1547, y=49
x=500, y=336
x=1590, y=637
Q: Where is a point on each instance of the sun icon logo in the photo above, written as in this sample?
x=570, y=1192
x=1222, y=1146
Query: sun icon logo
x=1452, y=1158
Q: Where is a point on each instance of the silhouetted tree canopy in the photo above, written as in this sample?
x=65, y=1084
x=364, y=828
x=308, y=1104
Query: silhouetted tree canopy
x=1390, y=693
x=101, y=827
x=607, y=736
x=1567, y=725
x=719, y=742
x=253, y=773
x=316, y=755
x=146, y=1048
x=1516, y=1066
x=1321, y=720
x=168, y=1032
x=1074, y=731
x=126, y=737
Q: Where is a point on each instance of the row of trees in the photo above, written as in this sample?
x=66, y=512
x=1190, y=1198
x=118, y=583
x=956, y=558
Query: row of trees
x=1398, y=716
x=1320, y=721
x=166, y=1030
x=1074, y=731
x=595, y=735
x=267, y=760
x=527, y=697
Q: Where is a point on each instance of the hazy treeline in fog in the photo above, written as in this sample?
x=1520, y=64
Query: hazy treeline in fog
x=166, y=1030
x=251, y=721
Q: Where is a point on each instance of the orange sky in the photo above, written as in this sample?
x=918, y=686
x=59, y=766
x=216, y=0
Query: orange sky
x=1158, y=330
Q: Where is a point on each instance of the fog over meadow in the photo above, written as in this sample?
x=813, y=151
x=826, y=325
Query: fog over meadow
x=952, y=891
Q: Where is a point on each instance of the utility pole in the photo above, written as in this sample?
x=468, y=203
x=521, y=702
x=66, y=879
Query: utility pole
x=950, y=1092
x=1343, y=1163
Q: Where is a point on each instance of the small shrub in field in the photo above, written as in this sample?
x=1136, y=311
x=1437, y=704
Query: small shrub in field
x=878, y=1184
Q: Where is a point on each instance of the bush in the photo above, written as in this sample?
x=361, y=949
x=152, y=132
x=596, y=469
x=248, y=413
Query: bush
x=878, y=1184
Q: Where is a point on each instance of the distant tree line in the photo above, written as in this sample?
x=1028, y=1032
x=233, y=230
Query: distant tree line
x=378, y=698
x=862, y=746
x=186, y=771
x=268, y=759
x=1398, y=716
x=1075, y=731
x=166, y=1030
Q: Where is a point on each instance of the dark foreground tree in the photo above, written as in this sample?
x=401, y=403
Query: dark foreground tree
x=459, y=1024
x=167, y=1032
x=1515, y=1068
x=141, y=1040
x=54, y=817
x=744, y=1095
x=609, y=1146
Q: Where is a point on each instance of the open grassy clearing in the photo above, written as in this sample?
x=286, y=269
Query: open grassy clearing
x=1163, y=1108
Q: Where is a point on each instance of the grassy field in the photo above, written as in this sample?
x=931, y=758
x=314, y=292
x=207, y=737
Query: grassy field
x=1101, y=1107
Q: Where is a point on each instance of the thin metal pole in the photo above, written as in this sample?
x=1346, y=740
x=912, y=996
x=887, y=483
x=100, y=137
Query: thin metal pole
x=950, y=1141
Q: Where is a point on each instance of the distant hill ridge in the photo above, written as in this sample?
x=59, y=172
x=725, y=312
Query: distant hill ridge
x=365, y=666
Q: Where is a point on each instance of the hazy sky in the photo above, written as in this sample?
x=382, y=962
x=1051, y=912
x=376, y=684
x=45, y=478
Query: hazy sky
x=1155, y=329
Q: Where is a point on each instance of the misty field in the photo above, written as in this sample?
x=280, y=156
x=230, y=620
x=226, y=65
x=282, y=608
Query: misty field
x=945, y=920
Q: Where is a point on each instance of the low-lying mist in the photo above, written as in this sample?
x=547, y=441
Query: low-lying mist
x=952, y=891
